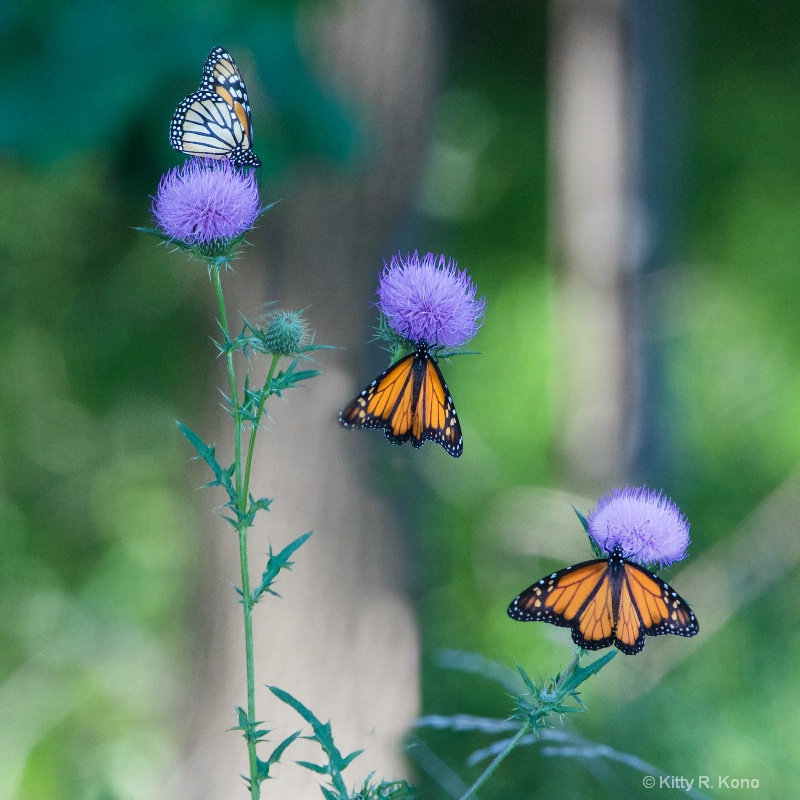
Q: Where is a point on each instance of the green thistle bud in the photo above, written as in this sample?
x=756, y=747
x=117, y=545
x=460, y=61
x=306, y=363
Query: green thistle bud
x=286, y=332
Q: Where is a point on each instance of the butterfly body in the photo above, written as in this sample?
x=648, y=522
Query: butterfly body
x=410, y=400
x=214, y=121
x=606, y=601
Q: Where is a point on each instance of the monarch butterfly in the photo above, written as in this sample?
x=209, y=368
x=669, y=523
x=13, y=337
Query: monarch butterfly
x=214, y=121
x=409, y=401
x=607, y=601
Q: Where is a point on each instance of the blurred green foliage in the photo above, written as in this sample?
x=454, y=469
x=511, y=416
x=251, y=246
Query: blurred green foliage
x=96, y=525
x=95, y=521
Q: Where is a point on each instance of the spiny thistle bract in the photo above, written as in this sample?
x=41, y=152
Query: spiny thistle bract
x=286, y=332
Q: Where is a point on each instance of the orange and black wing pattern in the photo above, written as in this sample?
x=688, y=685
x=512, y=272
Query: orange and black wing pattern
x=409, y=401
x=648, y=605
x=214, y=121
x=605, y=602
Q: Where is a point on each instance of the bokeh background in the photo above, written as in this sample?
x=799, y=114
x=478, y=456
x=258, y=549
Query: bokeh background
x=622, y=180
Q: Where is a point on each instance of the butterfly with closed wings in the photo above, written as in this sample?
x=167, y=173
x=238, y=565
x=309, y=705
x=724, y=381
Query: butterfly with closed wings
x=214, y=121
x=606, y=601
x=410, y=400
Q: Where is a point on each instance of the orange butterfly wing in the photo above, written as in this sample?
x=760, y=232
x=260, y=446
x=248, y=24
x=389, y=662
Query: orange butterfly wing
x=578, y=597
x=386, y=403
x=410, y=400
x=648, y=605
x=435, y=416
x=605, y=602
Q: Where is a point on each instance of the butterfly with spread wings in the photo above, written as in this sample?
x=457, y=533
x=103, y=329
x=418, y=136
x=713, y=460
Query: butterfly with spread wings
x=606, y=601
x=214, y=121
x=409, y=401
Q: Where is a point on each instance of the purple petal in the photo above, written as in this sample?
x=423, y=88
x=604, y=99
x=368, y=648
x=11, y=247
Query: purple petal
x=648, y=526
x=206, y=200
x=430, y=299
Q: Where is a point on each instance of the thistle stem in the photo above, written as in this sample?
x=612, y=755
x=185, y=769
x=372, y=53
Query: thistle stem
x=237, y=411
x=512, y=743
x=242, y=493
x=247, y=605
x=257, y=420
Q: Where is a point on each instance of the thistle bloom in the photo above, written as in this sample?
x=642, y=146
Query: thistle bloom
x=206, y=203
x=430, y=299
x=647, y=525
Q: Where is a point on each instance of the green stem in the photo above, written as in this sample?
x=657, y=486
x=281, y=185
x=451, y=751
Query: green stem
x=237, y=411
x=247, y=597
x=512, y=743
x=247, y=605
x=257, y=420
x=242, y=494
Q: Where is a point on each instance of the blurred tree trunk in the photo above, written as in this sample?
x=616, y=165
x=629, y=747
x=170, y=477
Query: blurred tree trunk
x=343, y=638
x=659, y=34
x=591, y=238
x=617, y=134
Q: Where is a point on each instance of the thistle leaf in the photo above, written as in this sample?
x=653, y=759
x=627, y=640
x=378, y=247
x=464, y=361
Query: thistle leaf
x=580, y=674
x=318, y=768
x=222, y=477
x=347, y=760
x=275, y=757
x=583, y=519
x=322, y=730
x=275, y=563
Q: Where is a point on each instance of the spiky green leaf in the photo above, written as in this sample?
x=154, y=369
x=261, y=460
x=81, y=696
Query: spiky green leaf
x=583, y=519
x=347, y=760
x=322, y=730
x=222, y=477
x=528, y=681
x=275, y=563
x=275, y=756
x=580, y=674
x=318, y=768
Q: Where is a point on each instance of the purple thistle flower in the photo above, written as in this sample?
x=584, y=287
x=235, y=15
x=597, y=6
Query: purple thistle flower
x=206, y=202
x=647, y=525
x=430, y=299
